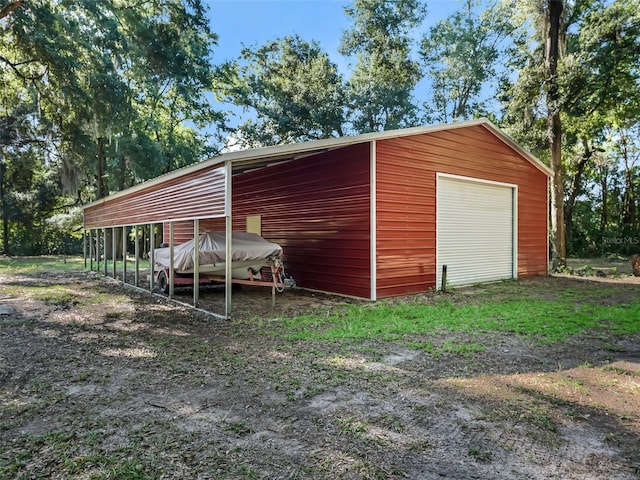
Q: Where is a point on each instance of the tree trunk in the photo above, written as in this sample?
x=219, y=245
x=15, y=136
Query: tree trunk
x=122, y=164
x=101, y=173
x=628, y=197
x=576, y=190
x=554, y=132
x=604, y=192
x=5, y=211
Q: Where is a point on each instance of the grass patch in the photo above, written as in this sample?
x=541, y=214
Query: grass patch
x=546, y=320
x=30, y=265
x=57, y=295
x=448, y=347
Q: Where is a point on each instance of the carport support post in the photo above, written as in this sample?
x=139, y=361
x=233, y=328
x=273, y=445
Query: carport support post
x=152, y=255
x=97, y=250
x=84, y=247
x=124, y=254
x=228, y=244
x=91, y=249
x=104, y=250
x=196, y=261
x=171, y=272
x=113, y=250
x=137, y=255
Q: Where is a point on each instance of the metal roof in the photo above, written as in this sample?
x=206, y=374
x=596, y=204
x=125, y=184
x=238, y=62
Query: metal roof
x=254, y=158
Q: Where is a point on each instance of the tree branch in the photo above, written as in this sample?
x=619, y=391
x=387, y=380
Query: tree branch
x=7, y=9
x=14, y=67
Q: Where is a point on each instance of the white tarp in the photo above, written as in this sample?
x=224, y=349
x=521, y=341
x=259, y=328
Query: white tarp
x=246, y=247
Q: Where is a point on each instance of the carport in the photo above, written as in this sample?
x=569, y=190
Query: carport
x=200, y=194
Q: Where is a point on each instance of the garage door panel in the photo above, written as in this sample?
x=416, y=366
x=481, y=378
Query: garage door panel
x=475, y=235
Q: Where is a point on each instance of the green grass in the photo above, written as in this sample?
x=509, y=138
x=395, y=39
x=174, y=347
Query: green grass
x=546, y=320
x=448, y=347
x=30, y=265
x=69, y=454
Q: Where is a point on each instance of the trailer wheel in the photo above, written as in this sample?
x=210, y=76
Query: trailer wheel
x=163, y=282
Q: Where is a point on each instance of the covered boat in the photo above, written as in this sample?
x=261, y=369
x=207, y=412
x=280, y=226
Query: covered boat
x=250, y=253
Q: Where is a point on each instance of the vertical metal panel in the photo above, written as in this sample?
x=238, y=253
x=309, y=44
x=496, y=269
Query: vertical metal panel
x=104, y=250
x=136, y=263
x=228, y=211
x=406, y=209
x=124, y=254
x=373, y=220
x=114, y=256
x=475, y=231
x=152, y=257
x=171, y=259
x=196, y=263
x=91, y=249
x=318, y=209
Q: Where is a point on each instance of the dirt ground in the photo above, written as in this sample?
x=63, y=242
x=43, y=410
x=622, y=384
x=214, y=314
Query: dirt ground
x=98, y=381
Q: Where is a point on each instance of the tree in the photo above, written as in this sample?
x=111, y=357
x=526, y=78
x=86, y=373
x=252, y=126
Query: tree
x=460, y=55
x=553, y=49
x=585, y=56
x=384, y=77
x=117, y=90
x=114, y=75
x=292, y=86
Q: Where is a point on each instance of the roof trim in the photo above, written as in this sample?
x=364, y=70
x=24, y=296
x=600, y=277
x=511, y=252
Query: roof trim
x=513, y=144
x=246, y=158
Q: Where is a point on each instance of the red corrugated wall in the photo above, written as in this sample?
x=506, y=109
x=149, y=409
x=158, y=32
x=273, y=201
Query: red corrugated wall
x=318, y=209
x=406, y=195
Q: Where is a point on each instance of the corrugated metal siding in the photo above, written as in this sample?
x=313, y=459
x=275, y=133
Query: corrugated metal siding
x=474, y=231
x=406, y=207
x=183, y=230
x=199, y=194
x=317, y=208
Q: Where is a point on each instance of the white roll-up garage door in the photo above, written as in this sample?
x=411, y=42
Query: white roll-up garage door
x=475, y=230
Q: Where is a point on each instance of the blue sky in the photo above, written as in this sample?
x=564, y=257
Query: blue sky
x=254, y=22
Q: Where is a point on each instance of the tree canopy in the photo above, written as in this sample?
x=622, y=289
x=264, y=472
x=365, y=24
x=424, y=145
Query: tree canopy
x=292, y=86
x=380, y=89
x=99, y=96
x=109, y=93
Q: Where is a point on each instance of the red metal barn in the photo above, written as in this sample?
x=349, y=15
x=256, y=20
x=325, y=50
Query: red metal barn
x=371, y=216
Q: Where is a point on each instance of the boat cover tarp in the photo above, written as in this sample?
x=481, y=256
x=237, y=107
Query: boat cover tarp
x=245, y=247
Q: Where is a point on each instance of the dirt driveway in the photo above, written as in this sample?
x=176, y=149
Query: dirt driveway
x=100, y=382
